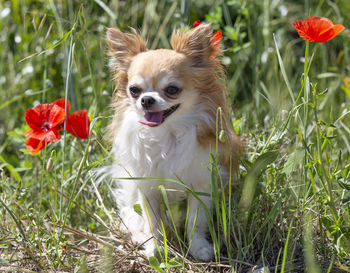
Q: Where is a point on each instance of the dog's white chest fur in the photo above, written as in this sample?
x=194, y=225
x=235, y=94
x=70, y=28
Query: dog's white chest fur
x=170, y=151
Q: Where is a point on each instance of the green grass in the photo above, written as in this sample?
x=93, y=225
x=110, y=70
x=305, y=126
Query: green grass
x=291, y=211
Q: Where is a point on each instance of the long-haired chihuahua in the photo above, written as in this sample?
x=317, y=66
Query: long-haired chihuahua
x=164, y=126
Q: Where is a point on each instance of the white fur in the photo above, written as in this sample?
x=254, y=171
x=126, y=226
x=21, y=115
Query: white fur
x=169, y=151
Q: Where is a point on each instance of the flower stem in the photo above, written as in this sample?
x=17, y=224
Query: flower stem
x=306, y=110
x=305, y=67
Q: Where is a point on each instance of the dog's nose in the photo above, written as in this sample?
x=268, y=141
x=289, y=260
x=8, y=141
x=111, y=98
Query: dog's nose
x=147, y=102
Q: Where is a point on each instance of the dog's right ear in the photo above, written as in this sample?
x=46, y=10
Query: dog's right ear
x=123, y=47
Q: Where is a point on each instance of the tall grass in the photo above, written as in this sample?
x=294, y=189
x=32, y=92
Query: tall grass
x=291, y=211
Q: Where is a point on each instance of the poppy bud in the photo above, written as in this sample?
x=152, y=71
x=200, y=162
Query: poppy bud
x=49, y=164
x=223, y=136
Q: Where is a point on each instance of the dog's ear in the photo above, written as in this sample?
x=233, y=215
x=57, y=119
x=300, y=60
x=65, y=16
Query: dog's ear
x=124, y=46
x=197, y=43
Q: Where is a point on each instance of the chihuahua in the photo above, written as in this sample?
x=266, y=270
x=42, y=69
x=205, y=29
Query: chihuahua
x=164, y=127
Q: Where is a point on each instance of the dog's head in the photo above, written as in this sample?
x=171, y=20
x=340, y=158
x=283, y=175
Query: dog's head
x=164, y=85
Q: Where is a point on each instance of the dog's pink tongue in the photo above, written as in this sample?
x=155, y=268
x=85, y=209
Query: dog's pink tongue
x=152, y=118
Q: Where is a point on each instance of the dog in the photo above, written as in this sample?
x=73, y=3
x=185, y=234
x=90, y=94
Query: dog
x=165, y=126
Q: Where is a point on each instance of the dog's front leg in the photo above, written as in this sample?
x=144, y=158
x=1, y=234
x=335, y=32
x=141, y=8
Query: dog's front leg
x=151, y=216
x=197, y=229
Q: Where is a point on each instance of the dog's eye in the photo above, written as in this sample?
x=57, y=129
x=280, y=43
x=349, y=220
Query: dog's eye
x=134, y=91
x=172, y=90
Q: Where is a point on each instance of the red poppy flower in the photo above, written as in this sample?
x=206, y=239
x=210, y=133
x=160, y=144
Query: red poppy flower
x=196, y=23
x=78, y=124
x=62, y=103
x=317, y=29
x=216, y=38
x=44, y=121
x=34, y=145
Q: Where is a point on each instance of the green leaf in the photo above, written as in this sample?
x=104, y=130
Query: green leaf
x=28, y=164
x=215, y=17
x=231, y=33
x=154, y=263
x=175, y=262
x=250, y=181
x=263, y=161
x=12, y=134
x=138, y=209
x=344, y=184
x=11, y=169
x=327, y=223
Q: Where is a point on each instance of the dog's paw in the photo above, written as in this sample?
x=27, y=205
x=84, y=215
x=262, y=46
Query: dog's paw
x=201, y=249
x=148, y=250
x=131, y=221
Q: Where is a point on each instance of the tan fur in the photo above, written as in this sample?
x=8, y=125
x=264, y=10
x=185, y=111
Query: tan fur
x=122, y=48
x=189, y=60
x=208, y=76
x=196, y=44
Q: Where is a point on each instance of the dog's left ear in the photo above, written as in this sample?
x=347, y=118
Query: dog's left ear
x=197, y=44
x=124, y=46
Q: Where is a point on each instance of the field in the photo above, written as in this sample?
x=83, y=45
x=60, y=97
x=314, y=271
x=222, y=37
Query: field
x=291, y=211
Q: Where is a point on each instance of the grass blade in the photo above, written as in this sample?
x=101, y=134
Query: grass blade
x=283, y=70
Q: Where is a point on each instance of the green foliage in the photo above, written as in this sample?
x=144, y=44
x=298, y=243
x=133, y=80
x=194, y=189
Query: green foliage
x=292, y=208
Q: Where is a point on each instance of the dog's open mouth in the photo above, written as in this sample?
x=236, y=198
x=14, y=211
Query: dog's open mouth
x=156, y=118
